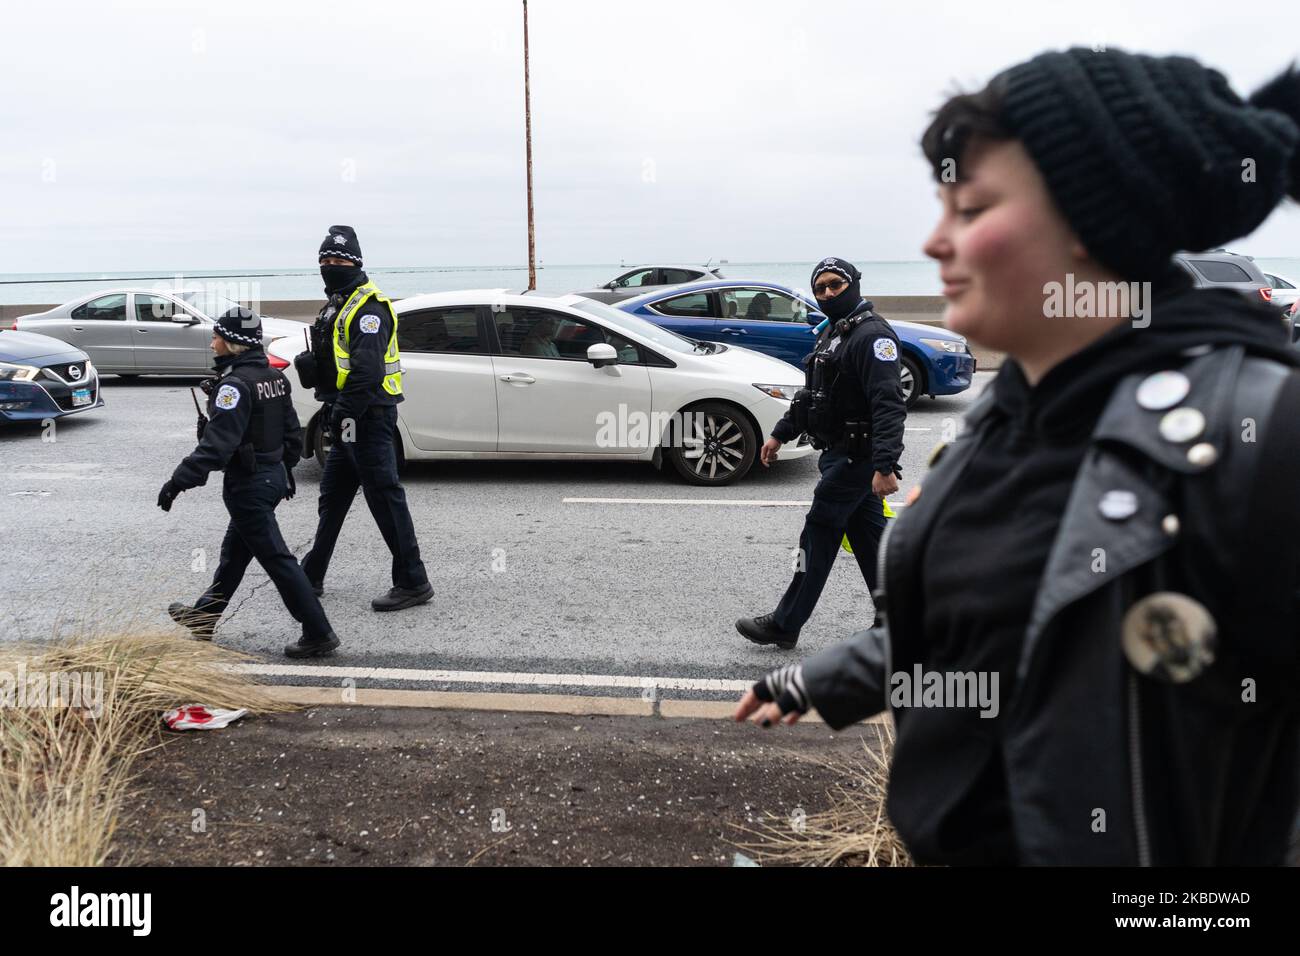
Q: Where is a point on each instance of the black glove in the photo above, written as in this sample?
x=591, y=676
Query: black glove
x=785, y=686
x=292, y=488
x=167, y=495
x=202, y=424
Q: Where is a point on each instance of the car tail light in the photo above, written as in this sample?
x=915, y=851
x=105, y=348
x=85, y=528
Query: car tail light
x=1266, y=294
x=276, y=362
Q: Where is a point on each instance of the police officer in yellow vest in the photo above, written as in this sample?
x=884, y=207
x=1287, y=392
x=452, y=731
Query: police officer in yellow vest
x=358, y=374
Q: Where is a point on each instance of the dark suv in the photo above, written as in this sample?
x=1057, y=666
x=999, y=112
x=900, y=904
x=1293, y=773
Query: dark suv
x=1222, y=269
x=1227, y=270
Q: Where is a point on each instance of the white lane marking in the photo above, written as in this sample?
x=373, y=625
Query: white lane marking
x=753, y=503
x=492, y=677
x=54, y=471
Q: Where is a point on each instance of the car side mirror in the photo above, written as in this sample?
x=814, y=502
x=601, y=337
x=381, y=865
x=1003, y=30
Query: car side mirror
x=602, y=354
x=184, y=318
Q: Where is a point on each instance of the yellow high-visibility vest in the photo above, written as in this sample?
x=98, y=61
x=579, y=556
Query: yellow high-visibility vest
x=343, y=335
x=889, y=513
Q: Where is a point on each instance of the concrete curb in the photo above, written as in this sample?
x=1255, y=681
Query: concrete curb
x=571, y=704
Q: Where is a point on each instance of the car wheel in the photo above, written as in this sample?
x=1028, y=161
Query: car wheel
x=320, y=445
x=714, y=444
x=910, y=378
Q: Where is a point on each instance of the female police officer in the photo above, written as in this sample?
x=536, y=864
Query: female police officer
x=1113, y=534
x=253, y=435
x=852, y=408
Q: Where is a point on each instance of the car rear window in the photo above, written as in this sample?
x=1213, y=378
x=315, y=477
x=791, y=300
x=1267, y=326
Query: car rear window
x=441, y=330
x=693, y=305
x=1216, y=270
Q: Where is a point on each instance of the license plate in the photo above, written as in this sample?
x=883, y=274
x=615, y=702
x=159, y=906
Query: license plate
x=81, y=396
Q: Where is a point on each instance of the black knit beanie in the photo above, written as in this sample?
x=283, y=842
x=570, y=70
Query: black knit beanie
x=1146, y=155
x=240, y=325
x=341, y=242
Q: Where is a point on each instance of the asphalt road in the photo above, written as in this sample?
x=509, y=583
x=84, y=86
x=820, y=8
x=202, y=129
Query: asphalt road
x=527, y=584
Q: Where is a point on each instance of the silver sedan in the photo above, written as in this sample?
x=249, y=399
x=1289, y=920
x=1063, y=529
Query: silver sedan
x=144, y=331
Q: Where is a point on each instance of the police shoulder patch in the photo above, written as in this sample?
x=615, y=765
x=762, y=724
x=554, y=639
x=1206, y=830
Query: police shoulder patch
x=227, y=397
x=369, y=323
x=885, y=350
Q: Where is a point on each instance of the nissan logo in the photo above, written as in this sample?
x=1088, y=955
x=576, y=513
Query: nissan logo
x=74, y=372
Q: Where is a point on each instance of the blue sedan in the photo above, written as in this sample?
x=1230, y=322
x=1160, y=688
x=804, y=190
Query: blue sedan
x=42, y=377
x=773, y=319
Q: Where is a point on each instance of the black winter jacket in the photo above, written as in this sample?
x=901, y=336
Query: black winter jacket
x=1104, y=764
x=867, y=388
x=364, y=386
x=229, y=415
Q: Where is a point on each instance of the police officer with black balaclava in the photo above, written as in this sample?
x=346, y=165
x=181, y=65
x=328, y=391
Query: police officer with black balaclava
x=852, y=408
x=356, y=368
x=252, y=434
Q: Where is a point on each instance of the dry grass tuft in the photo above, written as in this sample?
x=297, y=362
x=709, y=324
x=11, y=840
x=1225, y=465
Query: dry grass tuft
x=64, y=769
x=854, y=831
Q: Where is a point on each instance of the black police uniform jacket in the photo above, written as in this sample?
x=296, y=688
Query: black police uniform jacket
x=867, y=387
x=1103, y=763
x=248, y=405
x=365, y=382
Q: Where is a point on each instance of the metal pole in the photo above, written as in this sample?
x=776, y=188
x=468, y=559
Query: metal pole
x=528, y=140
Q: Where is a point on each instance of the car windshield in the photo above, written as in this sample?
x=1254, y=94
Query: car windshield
x=630, y=323
x=209, y=303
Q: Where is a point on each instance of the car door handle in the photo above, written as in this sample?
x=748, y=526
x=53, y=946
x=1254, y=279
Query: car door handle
x=518, y=377
x=78, y=328
x=735, y=331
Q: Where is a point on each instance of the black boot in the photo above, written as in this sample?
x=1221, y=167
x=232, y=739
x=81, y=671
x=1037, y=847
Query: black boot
x=398, y=598
x=308, y=647
x=762, y=630
x=202, y=624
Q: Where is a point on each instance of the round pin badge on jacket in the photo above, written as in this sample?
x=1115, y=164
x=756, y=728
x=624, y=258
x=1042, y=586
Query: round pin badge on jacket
x=1169, y=636
x=1163, y=390
x=1118, y=504
x=1182, y=424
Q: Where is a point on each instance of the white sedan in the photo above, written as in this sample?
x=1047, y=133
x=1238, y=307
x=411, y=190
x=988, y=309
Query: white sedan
x=491, y=374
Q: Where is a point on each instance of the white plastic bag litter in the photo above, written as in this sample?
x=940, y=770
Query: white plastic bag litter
x=201, y=717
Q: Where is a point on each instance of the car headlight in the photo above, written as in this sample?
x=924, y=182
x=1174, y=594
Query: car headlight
x=783, y=392
x=946, y=345
x=17, y=373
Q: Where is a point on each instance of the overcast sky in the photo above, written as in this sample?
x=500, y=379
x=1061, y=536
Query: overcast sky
x=184, y=135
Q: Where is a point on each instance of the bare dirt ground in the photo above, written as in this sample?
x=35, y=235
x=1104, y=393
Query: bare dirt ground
x=376, y=786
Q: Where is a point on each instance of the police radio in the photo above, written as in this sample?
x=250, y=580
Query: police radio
x=305, y=363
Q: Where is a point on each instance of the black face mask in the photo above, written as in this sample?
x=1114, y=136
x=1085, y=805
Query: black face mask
x=338, y=278
x=837, y=307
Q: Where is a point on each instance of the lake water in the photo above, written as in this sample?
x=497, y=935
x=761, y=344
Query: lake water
x=269, y=285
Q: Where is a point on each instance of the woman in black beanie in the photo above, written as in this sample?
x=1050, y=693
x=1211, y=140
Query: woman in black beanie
x=1086, y=626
